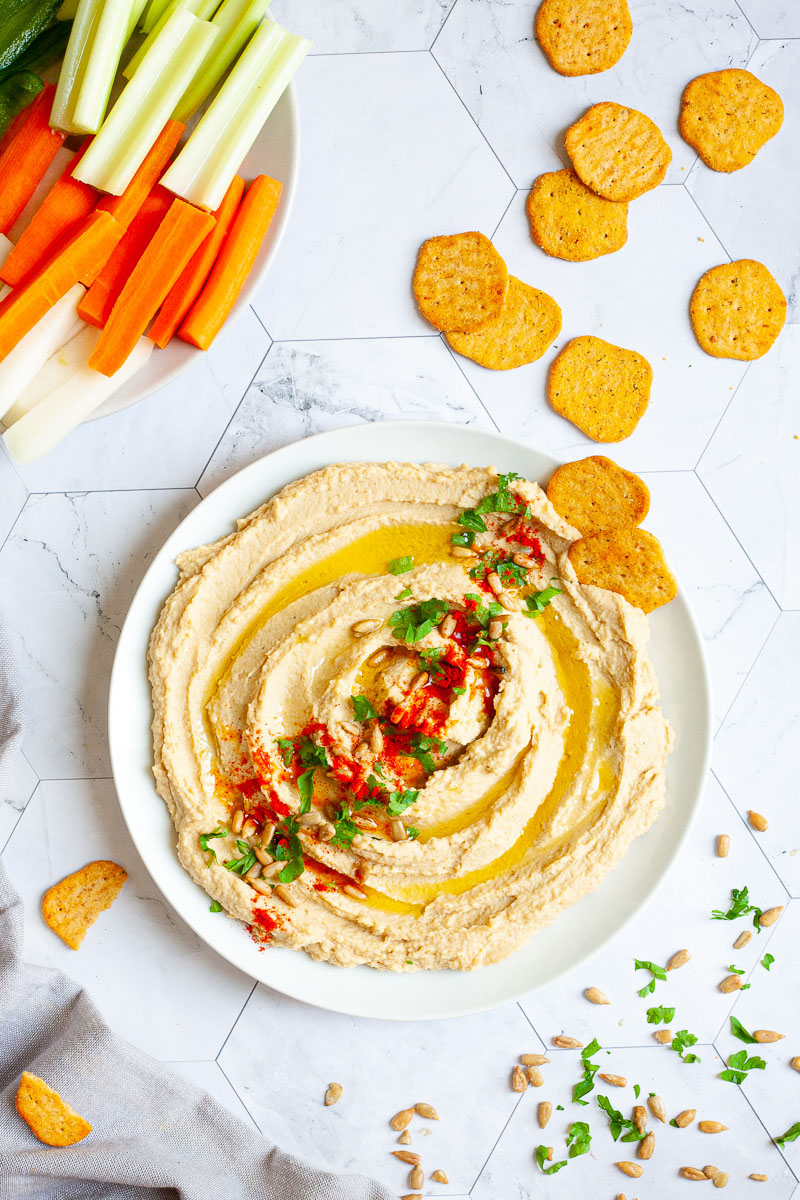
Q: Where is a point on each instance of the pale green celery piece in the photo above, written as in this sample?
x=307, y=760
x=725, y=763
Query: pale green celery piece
x=155, y=10
x=68, y=10
x=136, y=16
x=237, y=21
x=203, y=170
x=110, y=36
x=192, y=6
x=76, y=56
x=146, y=104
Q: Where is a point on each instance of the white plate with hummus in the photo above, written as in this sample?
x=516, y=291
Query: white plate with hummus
x=392, y=763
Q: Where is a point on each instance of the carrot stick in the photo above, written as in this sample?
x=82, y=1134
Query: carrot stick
x=125, y=207
x=235, y=260
x=27, y=157
x=83, y=255
x=197, y=270
x=156, y=272
x=64, y=207
x=95, y=307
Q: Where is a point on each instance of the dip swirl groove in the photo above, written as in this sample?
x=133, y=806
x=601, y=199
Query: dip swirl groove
x=392, y=728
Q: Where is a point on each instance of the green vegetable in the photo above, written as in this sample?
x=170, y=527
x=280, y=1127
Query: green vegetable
x=537, y=602
x=21, y=24
x=345, y=827
x=590, y=1069
x=412, y=624
x=430, y=661
x=420, y=746
x=362, y=709
x=291, y=853
x=636, y=1091
x=109, y=36
x=680, y=1042
x=42, y=52
x=198, y=8
x=412, y=833
x=541, y=1158
x=400, y=801
x=247, y=859
x=237, y=21
x=400, y=566
x=738, y=1066
x=656, y=1015
x=738, y=1030
x=76, y=57
x=287, y=750
x=767, y=961
x=16, y=93
x=791, y=1135
x=740, y=907
x=215, y=906
x=579, y=1139
x=617, y=1124
x=205, y=838
x=499, y=501
x=406, y=594
x=205, y=166
x=640, y=964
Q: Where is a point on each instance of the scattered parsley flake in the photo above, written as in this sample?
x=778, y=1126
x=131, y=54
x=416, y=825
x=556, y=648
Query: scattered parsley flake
x=287, y=848
x=537, y=602
x=420, y=747
x=287, y=750
x=541, y=1158
x=400, y=566
x=240, y=866
x=346, y=829
x=740, y=907
x=362, y=709
x=590, y=1069
x=642, y=964
x=205, y=838
x=736, y=970
x=681, y=1041
x=767, y=961
x=738, y=1066
x=412, y=833
x=404, y=595
x=430, y=661
x=215, y=906
x=738, y=1030
x=636, y=1091
x=791, y=1135
x=414, y=623
x=617, y=1124
x=400, y=801
x=656, y=1015
x=579, y=1139
x=459, y=691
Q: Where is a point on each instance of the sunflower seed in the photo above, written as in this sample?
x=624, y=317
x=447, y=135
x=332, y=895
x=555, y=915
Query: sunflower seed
x=426, y=1110
x=721, y=1179
x=761, y=824
x=261, y=886
x=402, y=1119
x=758, y=1177
x=448, y=626
x=376, y=739
x=685, y=1118
x=711, y=1172
x=519, y=1080
x=439, y=1177
x=664, y=1036
x=286, y=895
x=614, y=1080
x=533, y=1060
x=495, y=582
x=398, y=830
x=656, y=1105
x=522, y=560
x=595, y=996
x=236, y=821
x=407, y=1156
x=416, y=1177
x=326, y=832
x=679, y=959
x=692, y=1173
x=333, y=1094
x=742, y=939
x=711, y=1127
x=640, y=1117
x=495, y=628
x=544, y=1113
x=508, y=602
x=263, y=856
x=646, y=1146
x=767, y=1035
x=405, y=1138
x=723, y=845
x=462, y=552
x=770, y=916
x=361, y=628
x=795, y=1063
x=419, y=681
x=535, y=1076
x=632, y=1169
x=378, y=657
x=567, y=1043
x=310, y=819
x=731, y=983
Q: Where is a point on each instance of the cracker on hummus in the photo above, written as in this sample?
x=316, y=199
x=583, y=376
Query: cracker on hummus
x=391, y=725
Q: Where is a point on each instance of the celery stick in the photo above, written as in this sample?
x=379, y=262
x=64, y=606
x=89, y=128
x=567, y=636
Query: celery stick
x=192, y=6
x=68, y=10
x=110, y=36
x=146, y=104
x=76, y=57
x=237, y=21
x=138, y=8
x=20, y=365
x=155, y=10
x=203, y=170
x=39, y=430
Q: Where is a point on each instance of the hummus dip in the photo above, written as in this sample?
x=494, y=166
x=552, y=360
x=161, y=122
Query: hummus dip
x=390, y=725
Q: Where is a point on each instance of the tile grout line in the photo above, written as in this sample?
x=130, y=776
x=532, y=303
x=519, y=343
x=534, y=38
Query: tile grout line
x=235, y=1023
x=453, y=7
x=787, y=895
x=238, y=1097
x=722, y=417
x=474, y=122
x=738, y=542
x=236, y=408
x=727, y=713
x=455, y=357
x=496, y=1144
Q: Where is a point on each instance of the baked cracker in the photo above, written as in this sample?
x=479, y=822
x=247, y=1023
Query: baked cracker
x=49, y=1117
x=529, y=322
x=727, y=116
x=737, y=310
x=583, y=37
x=71, y=906
x=594, y=494
x=617, y=151
x=628, y=561
x=601, y=388
x=569, y=221
x=460, y=282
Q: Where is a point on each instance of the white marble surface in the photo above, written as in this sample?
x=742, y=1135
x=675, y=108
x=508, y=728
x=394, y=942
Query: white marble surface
x=420, y=117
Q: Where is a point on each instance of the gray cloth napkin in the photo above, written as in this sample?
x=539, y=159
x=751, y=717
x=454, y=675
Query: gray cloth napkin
x=155, y=1135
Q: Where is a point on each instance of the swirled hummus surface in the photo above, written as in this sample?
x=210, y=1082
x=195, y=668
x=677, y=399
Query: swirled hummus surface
x=390, y=725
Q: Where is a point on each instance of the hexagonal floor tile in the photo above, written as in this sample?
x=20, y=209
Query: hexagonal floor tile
x=461, y=1067
x=13, y=495
x=18, y=790
x=160, y=967
x=512, y=1172
x=773, y=18
x=771, y=1003
x=189, y=414
x=78, y=560
x=364, y=204
x=752, y=467
x=730, y=601
x=361, y=26
x=524, y=107
x=655, y=934
x=753, y=211
x=637, y=298
x=755, y=755
x=309, y=387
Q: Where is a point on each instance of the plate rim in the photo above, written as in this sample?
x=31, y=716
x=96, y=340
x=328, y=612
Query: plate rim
x=229, y=951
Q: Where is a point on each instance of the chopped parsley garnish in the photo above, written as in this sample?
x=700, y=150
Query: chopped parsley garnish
x=414, y=623
x=617, y=1124
x=738, y=1066
x=509, y=572
x=459, y=691
x=680, y=1042
x=400, y=801
x=404, y=595
x=738, y=1030
x=484, y=612
x=412, y=833
x=420, y=746
x=463, y=539
x=642, y=964
x=286, y=847
x=656, y=1015
x=739, y=971
x=500, y=501
x=430, y=661
x=399, y=566
x=287, y=750
x=740, y=907
x=346, y=828
x=541, y=1158
x=240, y=866
x=305, y=786
x=362, y=709
x=791, y=1135
x=310, y=754
x=590, y=1069
x=636, y=1091
x=215, y=906
x=579, y=1139
x=537, y=602
x=205, y=838
x=767, y=961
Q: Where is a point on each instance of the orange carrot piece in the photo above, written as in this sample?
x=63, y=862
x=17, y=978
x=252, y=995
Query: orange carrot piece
x=197, y=270
x=84, y=254
x=173, y=244
x=64, y=207
x=26, y=157
x=125, y=207
x=96, y=306
x=208, y=313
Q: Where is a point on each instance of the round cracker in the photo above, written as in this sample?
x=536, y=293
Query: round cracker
x=569, y=221
x=530, y=321
x=618, y=152
x=737, y=310
x=594, y=494
x=583, y=37
x=627, y=561
x=727, y=116
x=48, y=1116
x=460, y=282
x=601, y=388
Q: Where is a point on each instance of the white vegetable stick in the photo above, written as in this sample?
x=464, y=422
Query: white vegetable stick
x=20, y=365
x=60, y=162
x=53, y=418
x=59, y=368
